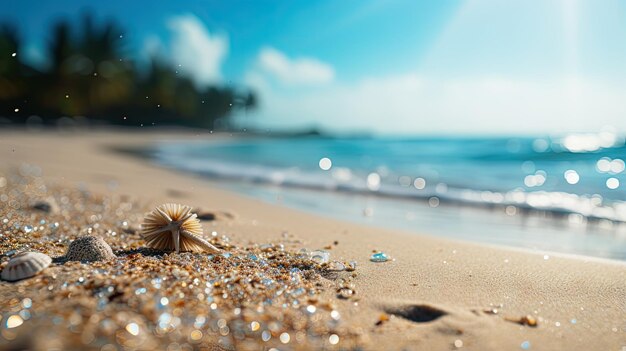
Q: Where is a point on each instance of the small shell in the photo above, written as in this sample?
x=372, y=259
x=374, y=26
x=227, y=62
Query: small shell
x=25, y=265
x=174, y=227
x=89, y=249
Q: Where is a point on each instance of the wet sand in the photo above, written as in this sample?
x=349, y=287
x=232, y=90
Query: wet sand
x=432, y=294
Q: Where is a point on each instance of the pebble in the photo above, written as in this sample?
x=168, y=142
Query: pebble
x=379, y=257
x=320, y=256
x=336, y=266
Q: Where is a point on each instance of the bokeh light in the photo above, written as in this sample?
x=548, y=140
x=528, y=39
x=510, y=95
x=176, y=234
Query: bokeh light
x=325, y=164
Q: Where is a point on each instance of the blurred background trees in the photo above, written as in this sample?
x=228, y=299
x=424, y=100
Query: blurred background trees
x=89, y=76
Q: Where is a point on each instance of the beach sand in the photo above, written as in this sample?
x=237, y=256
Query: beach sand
x=433, y=294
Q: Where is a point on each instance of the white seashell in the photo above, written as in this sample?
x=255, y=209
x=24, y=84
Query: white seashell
x=174, y=227
x=25, y=265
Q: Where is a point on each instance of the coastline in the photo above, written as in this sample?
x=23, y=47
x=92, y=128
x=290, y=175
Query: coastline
x=460, y=279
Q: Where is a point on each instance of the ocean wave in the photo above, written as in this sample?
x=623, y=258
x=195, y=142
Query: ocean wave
x=576, y=207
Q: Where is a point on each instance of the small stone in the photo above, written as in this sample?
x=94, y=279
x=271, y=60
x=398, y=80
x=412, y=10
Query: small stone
x=266, y=247
x=130, y=230
x=10, y=253
x=379, y=257
x=320, y=256
x=206, y=216
x=529, y=321
x=14, y=321
x=336, y=266
x=42, y=206
x=525, y=320
x=345, y=293
x=382, y=319
x=45, y=206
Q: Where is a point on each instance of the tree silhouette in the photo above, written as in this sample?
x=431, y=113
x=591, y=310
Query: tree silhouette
x=12, y=72
x=90, y=75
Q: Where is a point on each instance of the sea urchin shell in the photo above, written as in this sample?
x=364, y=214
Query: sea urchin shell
x=89, y=249
x=174, y=227
x=25, y=265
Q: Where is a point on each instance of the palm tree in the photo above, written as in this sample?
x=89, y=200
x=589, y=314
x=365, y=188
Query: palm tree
x=88, y=75
x=14, y=76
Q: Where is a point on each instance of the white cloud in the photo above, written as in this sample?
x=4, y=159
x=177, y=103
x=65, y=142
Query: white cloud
x=199, y=54
x=563, y=73
x=298, y=71
x=413, y=104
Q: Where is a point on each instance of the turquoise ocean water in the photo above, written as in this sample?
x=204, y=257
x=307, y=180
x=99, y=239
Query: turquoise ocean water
x=565, y=194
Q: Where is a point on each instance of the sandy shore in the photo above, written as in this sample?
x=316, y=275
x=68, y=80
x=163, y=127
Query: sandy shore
x=438, y=294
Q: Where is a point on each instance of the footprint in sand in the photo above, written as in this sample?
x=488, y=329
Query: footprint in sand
x=453, y=320
x=418, y=313
x=449, y=319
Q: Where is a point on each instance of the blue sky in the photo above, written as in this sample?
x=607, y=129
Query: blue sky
x=533, y=66
x=356, y=36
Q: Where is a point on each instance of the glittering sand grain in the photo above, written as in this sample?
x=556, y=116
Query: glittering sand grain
x=147, y=298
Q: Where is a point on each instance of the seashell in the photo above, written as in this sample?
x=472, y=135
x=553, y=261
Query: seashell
x=25, y=265
x=89, y=249
x=174, y=227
